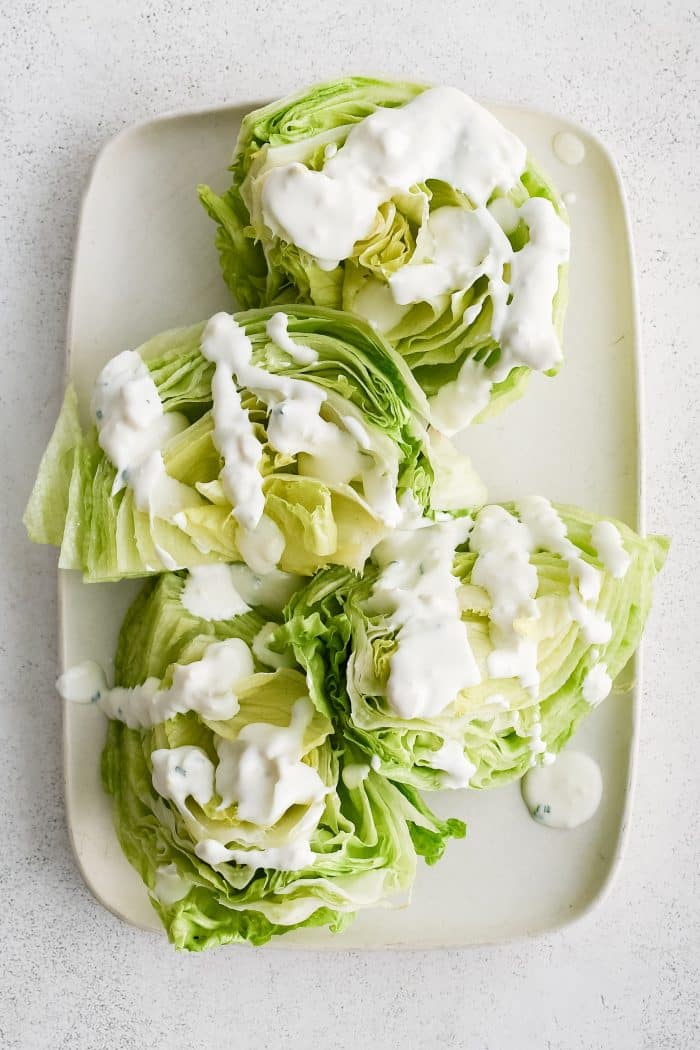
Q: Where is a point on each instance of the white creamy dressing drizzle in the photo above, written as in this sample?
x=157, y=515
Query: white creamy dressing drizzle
x=82, y=684
x=262, y=771
x=295, y=426
x=179, y=773
x=462, y=246
x=537, y=745
x=417, y=592
x=227, y=346
x=568, y=147
x=460, y=401
x=210, y=592
x=597, y=684
x=292, y=856
x=264, y=774
x=457, y=768
x=376, y=763
x=565, y=793
x=277, y=331
x=503, y=568
x=469, y=245
x=132, y=428
x=261, y=547
x=548, y=532
x=220, y=592
x=442, y=134
x=457, y=246
x=596, y=629
x=206, y=686
x=610, y=549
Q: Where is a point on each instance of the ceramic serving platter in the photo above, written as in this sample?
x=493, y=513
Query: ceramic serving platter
x=145, y=261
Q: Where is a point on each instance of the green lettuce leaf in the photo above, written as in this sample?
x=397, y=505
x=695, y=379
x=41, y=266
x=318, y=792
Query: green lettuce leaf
x=47, y=509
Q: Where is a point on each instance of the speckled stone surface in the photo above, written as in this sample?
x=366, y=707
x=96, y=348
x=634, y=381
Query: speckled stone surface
x=75, y=977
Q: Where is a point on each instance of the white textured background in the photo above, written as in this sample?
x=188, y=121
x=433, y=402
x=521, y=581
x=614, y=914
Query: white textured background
x=71, y=75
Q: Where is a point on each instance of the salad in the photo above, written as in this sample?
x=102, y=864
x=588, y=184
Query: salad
x=335, y=621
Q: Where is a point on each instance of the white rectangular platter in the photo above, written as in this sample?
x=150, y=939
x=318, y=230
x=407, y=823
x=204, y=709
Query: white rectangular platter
x=145, y=261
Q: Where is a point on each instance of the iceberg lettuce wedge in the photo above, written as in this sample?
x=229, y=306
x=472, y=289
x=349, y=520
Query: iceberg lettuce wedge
x=84, y=504
x=493, y=730
x=362, y=834
x=447, y=328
